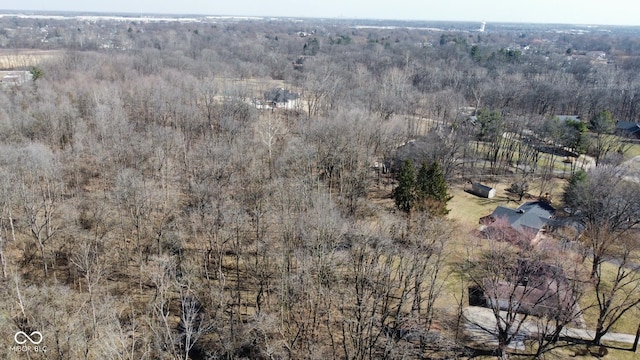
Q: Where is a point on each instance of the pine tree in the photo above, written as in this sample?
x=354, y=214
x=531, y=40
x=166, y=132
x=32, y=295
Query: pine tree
x=575, y=188
x=432, y=190
x=423, y=187
x=36, y=73
x=428, y=191
x=404, y=193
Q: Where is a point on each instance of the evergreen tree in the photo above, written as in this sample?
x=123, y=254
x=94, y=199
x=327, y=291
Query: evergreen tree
x=575, y=136
x=602, y=123
x=428, y=191
x=432, y=191
x=423, y=183
x=404, y=193
x=574, y=189
x=491, y=125
x=36, y=73
x=438, y=191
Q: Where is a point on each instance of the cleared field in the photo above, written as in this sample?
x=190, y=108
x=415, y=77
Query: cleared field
x=11, y=59
x=252, y=87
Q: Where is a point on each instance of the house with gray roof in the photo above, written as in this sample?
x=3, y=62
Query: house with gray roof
x=530, y=218
x=282, y=98
x=565, y=118
x=628, y=128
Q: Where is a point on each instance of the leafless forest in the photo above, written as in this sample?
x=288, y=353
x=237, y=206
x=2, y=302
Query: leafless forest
x=223, y=189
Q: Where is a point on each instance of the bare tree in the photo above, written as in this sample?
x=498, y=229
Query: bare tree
x=617, y=295
x=7, y=227
x=206, y=101
x=193, y=321
x=271, y=130
x=321, y=85
x=387, y=307
x=89, y=263
x=161, y=272
x=515, y=286
x=40, y=190
x=132, y=194
x=572, y=285
x=603, y=126
x=607, y=206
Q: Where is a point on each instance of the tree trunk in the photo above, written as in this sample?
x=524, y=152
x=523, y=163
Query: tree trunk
x=600, y=332
x=635, y=342
x=595, y=262
x=44, y=261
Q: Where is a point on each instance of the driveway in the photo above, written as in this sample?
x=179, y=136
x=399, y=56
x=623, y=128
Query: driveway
x=480, y=328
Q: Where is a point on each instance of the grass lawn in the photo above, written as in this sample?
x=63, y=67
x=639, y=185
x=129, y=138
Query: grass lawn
x=559, y=166
x=569, y=352
x=632, y=151
x=468, y=208
x=628, y=324
x=465, y=210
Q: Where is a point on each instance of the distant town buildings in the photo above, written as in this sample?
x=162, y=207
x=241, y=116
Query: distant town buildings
x=14, y=77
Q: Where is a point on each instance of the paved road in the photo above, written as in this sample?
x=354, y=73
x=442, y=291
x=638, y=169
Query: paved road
x=588, y=335
x=480, y=325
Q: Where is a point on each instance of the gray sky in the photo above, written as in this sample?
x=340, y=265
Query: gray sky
x=611, y=12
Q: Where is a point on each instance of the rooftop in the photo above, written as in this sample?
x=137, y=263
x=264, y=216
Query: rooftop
x=564, y=118
x=482, y=187
x=628, y=126
x=533, y=215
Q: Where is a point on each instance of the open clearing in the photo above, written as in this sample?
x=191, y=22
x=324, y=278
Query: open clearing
x=12, y=59
x=467, y=208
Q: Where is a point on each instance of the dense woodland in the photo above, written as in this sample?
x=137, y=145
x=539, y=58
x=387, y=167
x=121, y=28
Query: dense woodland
x=150, y=210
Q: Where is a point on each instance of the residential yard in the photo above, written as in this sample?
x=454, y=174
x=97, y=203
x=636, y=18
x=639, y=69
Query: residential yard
x=633, y=150
x=254, y=88
x=559, y=164
x=467, y=208
x=564, y=353
x=628, y=324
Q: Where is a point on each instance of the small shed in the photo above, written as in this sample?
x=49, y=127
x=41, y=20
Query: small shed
x=483, y=190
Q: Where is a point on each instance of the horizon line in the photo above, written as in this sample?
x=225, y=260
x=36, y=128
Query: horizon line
x=262, y=17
